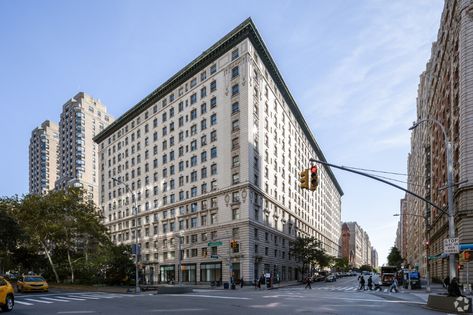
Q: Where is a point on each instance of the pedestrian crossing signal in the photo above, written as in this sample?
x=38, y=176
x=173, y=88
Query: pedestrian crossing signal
x=467, y=256
x=314, y=180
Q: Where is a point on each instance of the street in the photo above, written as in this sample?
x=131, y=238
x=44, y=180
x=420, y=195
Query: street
x=340, y=297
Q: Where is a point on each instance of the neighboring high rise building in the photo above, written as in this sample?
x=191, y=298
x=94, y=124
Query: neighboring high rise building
x=374, y=258
x=215, y=153
x=43, y=153
x=82, y=118
x=445, y=94
x=356, y=245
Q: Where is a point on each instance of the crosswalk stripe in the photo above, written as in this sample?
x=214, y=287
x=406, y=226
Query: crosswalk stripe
x=40, y=301
x=71, y=298
x=53, y=299
x=90, y=297
x=23, y=303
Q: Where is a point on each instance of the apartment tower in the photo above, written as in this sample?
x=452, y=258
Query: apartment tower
x=43, y=154
x=82, y=118
x=212, y=157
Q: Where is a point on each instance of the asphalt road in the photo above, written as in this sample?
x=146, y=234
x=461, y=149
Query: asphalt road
x=341, y=297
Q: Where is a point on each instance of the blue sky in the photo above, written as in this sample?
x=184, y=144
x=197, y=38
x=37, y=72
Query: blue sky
x=352, y=66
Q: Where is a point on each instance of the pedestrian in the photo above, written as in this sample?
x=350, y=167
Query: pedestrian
x=308, y=280
x=370, y=283
x=393, y=286
x=362, y=283
x=241, y=282
x=446, y=282
x=454, y=288
x=261, y=281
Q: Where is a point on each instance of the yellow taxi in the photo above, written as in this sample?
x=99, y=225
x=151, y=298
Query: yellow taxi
x=7, y=299
x=30, y=283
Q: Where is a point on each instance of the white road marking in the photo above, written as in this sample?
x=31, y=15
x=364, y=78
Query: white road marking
x=89, y=297
x=76, y=312
x=212, y=296
x=53, y=299
x=40, y=301
x=178, y=310
x=72, y=298
x=23, y=303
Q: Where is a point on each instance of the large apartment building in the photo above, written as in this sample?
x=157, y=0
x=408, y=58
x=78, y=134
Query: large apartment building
x=43, y=154
x=212, y=157
x=82, y=118
x=444, y=94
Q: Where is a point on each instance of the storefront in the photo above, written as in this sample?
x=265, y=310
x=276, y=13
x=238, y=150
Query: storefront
x=167, y=273
x=189, y=273
x=211, y=272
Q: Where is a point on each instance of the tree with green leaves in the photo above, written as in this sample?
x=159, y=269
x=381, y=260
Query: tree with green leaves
x=366, y=268
x=394, y=257
x=308, y=251
x=341, y=264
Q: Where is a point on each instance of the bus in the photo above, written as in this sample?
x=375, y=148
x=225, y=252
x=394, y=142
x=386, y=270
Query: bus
x=387, y=274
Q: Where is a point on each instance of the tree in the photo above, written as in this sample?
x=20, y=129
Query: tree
x=60, y=224
x=366, y=268
x=394, y=257
x=308, y=250
x=341, y=264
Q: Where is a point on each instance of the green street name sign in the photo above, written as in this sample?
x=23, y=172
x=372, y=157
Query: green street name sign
x=211, y=244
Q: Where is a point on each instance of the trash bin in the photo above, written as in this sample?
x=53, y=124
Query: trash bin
x=233, y=286
x=225, y=285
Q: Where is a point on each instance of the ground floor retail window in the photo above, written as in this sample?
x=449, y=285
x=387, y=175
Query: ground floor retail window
x=210, y=272
x=167, y=273
x=236, y=275
x=189, y=273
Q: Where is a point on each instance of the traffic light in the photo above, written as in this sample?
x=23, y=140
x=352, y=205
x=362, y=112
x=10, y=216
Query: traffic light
x=314, y=181
x=304, y=179
x=467, y=256
x=233, y=244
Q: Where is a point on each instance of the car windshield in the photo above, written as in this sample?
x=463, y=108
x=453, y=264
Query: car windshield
x=34, y=279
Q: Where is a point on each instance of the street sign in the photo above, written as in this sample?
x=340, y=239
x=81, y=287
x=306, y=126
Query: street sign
x=211, y=244
x=451, y=245
x=214, y=256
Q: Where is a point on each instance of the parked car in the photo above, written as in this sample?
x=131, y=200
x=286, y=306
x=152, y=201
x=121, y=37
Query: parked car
x=7, y=298
x=30, y=283
x=331, y=278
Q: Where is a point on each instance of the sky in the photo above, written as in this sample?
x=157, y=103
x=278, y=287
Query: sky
x=352, y=66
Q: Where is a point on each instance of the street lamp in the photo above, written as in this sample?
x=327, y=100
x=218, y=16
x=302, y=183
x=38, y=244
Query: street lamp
x=451, y=219
x=137, y=287
x=427, y=266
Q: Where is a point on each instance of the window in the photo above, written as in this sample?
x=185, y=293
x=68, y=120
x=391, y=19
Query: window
x=203, y=172
x=213, y=169
x=193, y=98
x=235, y=54
x=203, y=124
x=193, y=161
x=213, y=119
x=235, y=90
x=235, y=107
x=213, y=153
x=235, y=196
x=203, y=76
x=236, y=178
x=203, y=156
x=213, y=136
x=235, y=72
x=235, y=214
x=235, y=125
x=194, y=222
x=235, y=161
x=203, y=108
x=203, y=92
x=193, y=114
x=213, y=86
x=193, y=82
x=213, y=102
x=213, y=68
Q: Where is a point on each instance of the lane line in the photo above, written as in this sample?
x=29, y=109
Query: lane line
x=40, y=301
x=178, y=310
x=23, y=303
x=212, y=296
x=56, y=300
x=76, y=312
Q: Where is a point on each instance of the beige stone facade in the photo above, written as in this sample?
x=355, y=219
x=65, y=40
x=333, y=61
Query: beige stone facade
x=43, y=155
x=214, y=153
x=445, y=94
x=82, y=118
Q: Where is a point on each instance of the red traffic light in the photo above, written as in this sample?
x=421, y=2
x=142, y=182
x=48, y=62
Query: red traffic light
x=313, y=169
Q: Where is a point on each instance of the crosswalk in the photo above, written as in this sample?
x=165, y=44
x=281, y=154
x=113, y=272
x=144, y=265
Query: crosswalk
x=30, y=300
x=344, y=289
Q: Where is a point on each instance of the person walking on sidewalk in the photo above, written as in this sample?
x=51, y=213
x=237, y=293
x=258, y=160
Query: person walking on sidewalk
x=241, y=282
x=362, y=283
x=370, y=283
x=308, y=280
x=393, y=286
